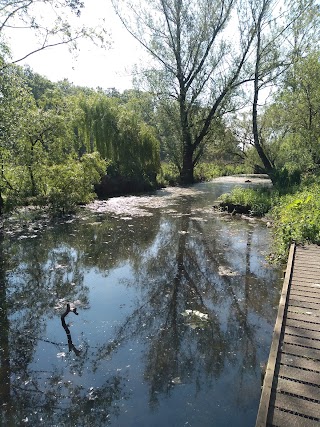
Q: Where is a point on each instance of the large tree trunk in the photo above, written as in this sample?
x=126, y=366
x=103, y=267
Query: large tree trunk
x=268, y=165
x=186, y=174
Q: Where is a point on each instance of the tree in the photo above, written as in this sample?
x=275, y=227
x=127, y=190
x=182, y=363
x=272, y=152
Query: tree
x=15, y=102
x=279, y=40
x=295, y=117
x=199, y=48
x=120, y=135
x=49, y=19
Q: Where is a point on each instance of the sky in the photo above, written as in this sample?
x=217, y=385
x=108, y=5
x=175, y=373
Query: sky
x=90, y=66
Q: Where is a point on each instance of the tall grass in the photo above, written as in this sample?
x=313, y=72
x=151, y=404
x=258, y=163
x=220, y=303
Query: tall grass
x=257, y=201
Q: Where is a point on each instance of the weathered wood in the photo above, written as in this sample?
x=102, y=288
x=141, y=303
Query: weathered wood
x=301, y=296
x=302, y=326
x=313, y=354
x=286, y=419
x=268, y=379
x=291, y=389
x=298, y=389
x=299, y=374
x=296, y=404
x=299, y=362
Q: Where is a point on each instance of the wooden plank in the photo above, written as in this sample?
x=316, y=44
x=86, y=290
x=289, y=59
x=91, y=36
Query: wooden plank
x=310, y=315
x=285, y=419
x=299, y=374
x=301, y=326
x=302, y=279
x=302, y=296
x=305, y=304
x=305, y=275
x=298, y=389
x=302, y=341
x=305, y=333
x=305, y=290
x=308, y=265
x=296, y=350
x=268, y=379
x=296, y=405
x=303, y=315
x=311, y=253
x=299, y=362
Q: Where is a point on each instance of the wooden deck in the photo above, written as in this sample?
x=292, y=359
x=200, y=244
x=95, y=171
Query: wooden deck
x=291, y=389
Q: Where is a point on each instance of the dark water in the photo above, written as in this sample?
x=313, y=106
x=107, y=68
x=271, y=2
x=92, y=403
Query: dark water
x=176, y=310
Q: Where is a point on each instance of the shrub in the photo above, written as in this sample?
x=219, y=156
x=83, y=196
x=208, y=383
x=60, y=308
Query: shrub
x=297, y=219
x=71, y=183
x=257, y=201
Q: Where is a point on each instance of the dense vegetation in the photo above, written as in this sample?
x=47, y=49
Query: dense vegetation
x=213, y=106
x=57, y=141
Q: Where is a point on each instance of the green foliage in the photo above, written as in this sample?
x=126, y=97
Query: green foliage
x=297, y=218
x=258, y=201
x=120, y=136
x=168, y=174
x=50, y=135
x=71, y=183
x=291, y=124
x=137, y=149
x=207, y=171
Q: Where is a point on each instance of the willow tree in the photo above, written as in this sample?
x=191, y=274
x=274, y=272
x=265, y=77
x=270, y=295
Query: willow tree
x=199, y=49
x=117, y=131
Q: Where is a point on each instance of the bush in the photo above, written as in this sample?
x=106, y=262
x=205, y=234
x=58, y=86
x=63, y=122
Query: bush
x=257, y=201
x=169, y=173
x=297, y=219
x=70, y=184
x=208, y=171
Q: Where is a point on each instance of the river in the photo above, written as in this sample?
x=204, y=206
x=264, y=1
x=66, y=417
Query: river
x=175, y=307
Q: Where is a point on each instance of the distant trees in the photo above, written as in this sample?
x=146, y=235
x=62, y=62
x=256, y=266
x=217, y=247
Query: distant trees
x=117, y=132
x=56, y=141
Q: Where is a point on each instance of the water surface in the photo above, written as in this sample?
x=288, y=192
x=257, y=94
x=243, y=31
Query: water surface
x=176, y=306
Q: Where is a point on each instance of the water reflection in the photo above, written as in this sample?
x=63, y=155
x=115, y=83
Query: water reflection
x=176, y=312
x=65, y=327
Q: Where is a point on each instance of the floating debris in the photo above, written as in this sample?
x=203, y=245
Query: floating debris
x=225, y=271
x=195, y=318
x=62, y=354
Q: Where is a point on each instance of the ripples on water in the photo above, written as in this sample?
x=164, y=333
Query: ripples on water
x=175, y=304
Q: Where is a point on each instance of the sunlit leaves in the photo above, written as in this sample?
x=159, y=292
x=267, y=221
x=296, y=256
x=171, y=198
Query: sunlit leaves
x=297, y=218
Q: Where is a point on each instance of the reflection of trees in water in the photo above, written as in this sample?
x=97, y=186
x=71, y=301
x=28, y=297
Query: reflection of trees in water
x=31, y=283
x=181, y=271
x=176, y=263
x=38, y=276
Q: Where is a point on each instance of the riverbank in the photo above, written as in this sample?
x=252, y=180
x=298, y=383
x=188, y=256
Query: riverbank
x=294, y=211
x=29, y=220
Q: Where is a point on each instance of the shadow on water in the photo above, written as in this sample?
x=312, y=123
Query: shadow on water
x=177, y=309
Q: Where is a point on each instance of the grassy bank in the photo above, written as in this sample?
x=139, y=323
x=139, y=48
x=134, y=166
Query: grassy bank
x=295, y=215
